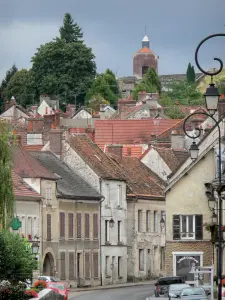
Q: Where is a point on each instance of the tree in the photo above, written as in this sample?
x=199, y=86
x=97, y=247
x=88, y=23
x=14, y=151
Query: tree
x=7, y=78
x=150, y=83
x=96, y=101
x=193, y=74
x=16, y=258
x=19, y=87
x=190, y=74
x=70, y=31
x=173, y=112
x=6, y=187
x=112, y=81
x=101, y=87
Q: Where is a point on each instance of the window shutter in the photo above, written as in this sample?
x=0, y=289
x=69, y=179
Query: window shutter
x=70, y=233
x=87, y=226
x=95, y=226
x=95, y=264
x=71, y=266
x=49, y=227
x=198, y=227
x=62, y=225
x=63, y=266
x=79, y=226
x=87, y=265
x=176, y=227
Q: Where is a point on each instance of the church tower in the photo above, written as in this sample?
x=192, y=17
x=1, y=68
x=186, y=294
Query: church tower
x=143, y=59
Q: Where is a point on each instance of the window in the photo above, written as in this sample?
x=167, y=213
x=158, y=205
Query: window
x=148, y=220
x=139, y=220
x=187, y=227
x=71, y=266
x=87, y=264
x=63, y=266
x=162, y=258
x=70, y=228
x=87, y=226
x=107, y=194
x=119, y=231
x=119, y=266
x=95, y=226
x=141, y=259
x=107, y=266
x=95, y=264
x=62, y=224
x=119, y=195
x=29, y=226
x=163, y=216
x=49, y=227
x=79, y=225
x=106, y=231
x=156, y=221
x=144, y=69
x=23, y=227
x=48, y=192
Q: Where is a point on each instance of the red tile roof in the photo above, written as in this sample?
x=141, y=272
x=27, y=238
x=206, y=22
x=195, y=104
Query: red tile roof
x=145, y=50
x=130, y=150
x=27, y=166
x=141, y=181
x=130, y=131
x=21, y=189
x=97, y=160
x=88, y=131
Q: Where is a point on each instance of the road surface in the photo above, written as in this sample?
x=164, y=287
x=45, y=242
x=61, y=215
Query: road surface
x=127, y=293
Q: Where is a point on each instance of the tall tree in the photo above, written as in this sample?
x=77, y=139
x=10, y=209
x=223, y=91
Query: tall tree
x=70, y=31
x=149, y=83
x=19, y=87
x=64, y=67
x=110, y=77
x=192, y=74
x=188, y=73
x=6, y=187
x=7, y=78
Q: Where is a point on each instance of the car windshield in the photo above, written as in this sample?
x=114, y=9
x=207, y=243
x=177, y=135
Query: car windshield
x=170, y=281
x=177, y=287
x=193, y=291
x=58, y=286
x=53, y=279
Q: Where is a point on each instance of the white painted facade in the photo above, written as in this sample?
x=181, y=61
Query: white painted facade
x=154, y=161
x=82, y=114
x=113, y=239
x=45, y=109
x=34, y=139
x=13, y=113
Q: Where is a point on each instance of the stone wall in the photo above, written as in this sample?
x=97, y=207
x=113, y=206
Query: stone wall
x=48, y=294
x=199, y=246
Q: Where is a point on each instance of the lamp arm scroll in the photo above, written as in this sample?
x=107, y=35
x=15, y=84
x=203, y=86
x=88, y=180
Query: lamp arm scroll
x=215, y=58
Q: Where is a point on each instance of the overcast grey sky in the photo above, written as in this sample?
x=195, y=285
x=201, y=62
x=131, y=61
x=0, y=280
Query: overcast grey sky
x=114, y=29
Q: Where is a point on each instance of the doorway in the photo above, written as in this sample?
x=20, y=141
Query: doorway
x=78, y=268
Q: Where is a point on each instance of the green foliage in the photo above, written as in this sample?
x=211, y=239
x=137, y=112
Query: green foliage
x=20, y=261
x=190, y=74
x=70, y=31
x=19, y=87
x=150, y=83
x=185, y=93
x=6, y=187
x=9, y=292
x=221, y=86
x=173, y=112
x=165, y=100
x=95, y=102
x=7, y=78
x=103, y=86
x=110, y=77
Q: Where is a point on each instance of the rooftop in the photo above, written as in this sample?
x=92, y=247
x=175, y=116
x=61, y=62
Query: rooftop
x=69, y=184
x=93, y=156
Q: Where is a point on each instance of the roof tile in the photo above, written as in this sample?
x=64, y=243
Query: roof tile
x=22, y=189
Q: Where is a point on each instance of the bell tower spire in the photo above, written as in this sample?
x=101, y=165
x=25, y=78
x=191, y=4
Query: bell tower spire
x=145, y=41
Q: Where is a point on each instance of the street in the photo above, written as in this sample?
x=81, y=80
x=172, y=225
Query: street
x=127, y=293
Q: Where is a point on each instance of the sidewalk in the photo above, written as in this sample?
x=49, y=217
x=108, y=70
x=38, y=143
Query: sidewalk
x=77, y=291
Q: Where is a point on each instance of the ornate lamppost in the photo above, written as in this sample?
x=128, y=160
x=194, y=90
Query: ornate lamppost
x=211, y=101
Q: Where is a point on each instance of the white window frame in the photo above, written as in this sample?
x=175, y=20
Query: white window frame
x=156, y=225
x=187, y=237
x=119, y=196
x=107, y=231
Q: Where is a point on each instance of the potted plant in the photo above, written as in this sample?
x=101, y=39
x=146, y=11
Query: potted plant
x=40, y=285
x=213, y=229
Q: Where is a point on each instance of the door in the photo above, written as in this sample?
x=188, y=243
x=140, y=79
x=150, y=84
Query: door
x=113, y=270
x=149, y=263
x=78, y=268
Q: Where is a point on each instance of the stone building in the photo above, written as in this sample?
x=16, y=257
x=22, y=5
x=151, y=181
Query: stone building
x=187, y=241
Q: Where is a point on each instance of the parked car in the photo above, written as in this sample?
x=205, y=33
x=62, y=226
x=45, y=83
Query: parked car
x=195, y=293
x=60, y=287
x=162, y=284
x=175, y=289
x=47, y=278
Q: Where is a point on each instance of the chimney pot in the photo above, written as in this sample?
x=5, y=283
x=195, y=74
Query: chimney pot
x=116, y=150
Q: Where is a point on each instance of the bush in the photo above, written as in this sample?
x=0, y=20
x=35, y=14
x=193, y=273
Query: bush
x=40, y=285
x=12, y=293
x=29, y=294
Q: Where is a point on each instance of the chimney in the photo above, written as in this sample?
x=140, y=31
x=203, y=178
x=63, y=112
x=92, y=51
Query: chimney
x=18, y=139
x=115, y=149
x=57, y=119
x=47, y=127
x=55, y=140
x=177, y=140
x=102, y=111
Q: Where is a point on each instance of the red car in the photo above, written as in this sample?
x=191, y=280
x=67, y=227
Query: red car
x=59, y=287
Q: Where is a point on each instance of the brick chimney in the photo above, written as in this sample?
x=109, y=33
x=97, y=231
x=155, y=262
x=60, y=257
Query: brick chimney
x=48, y=120
x=18, y=139
x=102, y=111
x=57, y=119
x=55, y=140
x=115, y=149
x=177, y=140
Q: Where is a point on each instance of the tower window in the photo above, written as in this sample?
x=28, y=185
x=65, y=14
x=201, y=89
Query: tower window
x=144, y=70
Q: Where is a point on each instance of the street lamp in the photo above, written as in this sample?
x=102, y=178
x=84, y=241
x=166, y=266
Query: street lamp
x=211, y=100
x=194, y=150
x=35, y=248
x=162, y=223
x=111, y=222
x=214, y=217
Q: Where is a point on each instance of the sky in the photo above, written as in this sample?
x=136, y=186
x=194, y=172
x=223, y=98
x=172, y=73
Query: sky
x=114, y=30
